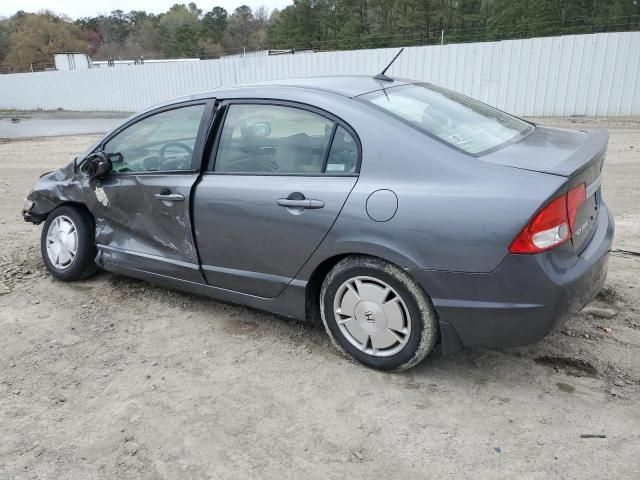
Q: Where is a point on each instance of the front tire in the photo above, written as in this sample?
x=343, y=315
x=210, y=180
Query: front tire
x=67, y=244
x=376, y=313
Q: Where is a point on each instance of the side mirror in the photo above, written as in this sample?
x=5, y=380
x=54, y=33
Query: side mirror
x=98, y=165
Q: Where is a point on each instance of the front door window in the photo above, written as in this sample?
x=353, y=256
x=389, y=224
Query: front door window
x=163, y=142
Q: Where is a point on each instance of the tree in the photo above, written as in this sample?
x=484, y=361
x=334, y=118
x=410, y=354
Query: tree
x=93, y=39
x=185, y=30
x=300, y=25
x=114, y=28
x=214, y=23
x=36, y=37
x=354, y=16
x=4, y=38
x=261, y=18
x=177, y=17
x=145, y=40
x=239, y=28
x=180, y=27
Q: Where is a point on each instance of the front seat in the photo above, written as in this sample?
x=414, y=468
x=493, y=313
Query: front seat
x=294, y=154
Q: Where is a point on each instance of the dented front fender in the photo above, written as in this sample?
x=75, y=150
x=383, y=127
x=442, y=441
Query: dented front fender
x=53, y=189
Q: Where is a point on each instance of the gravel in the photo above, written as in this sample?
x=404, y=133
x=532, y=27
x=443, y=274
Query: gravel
x=234, y=393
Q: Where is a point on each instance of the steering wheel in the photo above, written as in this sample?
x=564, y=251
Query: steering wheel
x=167, y=146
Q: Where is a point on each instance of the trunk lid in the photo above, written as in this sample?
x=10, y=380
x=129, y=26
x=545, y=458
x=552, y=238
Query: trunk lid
x=578, y=156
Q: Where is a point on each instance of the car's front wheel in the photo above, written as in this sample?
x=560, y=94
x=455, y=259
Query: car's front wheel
x=67, y=244
x=377, y=314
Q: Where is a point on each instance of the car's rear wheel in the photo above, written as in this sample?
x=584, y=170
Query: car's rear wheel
x=67, y=244
x=376, y=313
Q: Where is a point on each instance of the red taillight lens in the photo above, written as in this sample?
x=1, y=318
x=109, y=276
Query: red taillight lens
x=575, y=198
x=552, y=225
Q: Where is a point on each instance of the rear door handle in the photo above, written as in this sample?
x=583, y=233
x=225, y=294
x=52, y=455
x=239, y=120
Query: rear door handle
x=305, y=203
x=169, y=197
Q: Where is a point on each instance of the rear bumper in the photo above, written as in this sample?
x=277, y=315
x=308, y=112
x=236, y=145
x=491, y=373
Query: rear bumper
x=525, y=297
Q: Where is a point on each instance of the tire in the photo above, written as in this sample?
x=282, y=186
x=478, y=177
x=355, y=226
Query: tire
x=77, y=229
x=357, y=320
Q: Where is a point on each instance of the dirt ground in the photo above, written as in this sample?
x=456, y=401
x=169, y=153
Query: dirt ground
x=116, y=378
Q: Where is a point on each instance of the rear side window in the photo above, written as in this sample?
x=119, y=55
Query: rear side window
x=343, y=156
x=467, y=124
x=273, y=139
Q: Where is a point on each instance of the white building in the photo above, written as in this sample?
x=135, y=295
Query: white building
x=71, y=61
x=138, y=62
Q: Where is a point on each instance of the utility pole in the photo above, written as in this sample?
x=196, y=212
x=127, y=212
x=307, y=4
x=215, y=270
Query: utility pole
x=442, y=37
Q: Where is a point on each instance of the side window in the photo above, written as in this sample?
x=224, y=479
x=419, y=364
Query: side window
x=161, y=142
x=343, y=157
x=261, y=139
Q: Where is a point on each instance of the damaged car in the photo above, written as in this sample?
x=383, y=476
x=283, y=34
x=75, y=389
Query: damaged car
x=399, y=214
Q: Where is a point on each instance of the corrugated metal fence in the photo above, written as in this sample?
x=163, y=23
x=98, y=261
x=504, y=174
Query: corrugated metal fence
x=595, y=74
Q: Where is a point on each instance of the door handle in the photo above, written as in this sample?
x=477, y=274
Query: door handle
x=305, y=203
x=169, y=197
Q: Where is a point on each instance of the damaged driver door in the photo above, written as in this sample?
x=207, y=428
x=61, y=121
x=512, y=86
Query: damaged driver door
x=141, y=206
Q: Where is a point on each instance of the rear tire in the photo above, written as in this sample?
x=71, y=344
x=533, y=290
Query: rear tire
x=377, y=314
x=67, y=244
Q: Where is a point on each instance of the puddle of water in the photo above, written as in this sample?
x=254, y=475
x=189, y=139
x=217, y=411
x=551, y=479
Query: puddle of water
x=39, y=127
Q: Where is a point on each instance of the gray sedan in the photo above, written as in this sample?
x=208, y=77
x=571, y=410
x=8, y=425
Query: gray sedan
x=399, y=214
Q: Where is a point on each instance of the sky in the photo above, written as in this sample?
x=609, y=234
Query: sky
x=84, y=8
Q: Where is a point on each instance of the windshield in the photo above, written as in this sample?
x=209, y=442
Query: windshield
x=460, y=121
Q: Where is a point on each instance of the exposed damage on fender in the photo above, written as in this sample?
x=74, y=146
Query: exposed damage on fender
x=52, y=190
x=134, y=222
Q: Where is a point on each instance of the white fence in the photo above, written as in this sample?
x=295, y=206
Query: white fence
x=595, y=74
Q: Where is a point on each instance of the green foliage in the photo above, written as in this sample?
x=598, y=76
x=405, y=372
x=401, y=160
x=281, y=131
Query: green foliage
x=4, y=38
x=186, y=31
x=342, y=24
x=34, y=38
x=179, y=28
x=214, y=23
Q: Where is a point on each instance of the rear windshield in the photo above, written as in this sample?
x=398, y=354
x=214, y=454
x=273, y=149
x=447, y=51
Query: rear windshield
x=460, y=121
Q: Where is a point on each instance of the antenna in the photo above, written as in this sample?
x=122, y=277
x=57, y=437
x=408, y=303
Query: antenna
x=381, y=76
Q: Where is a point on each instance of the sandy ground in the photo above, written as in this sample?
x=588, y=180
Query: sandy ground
x=115, y=378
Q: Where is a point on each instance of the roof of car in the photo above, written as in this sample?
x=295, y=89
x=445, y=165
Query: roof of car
x=347, y=85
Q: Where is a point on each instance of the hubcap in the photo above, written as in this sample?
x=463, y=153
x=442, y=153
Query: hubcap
x=372, y=316
x=62, y=242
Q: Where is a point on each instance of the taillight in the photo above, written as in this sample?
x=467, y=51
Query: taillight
x=552, y=225
x=575, y=198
